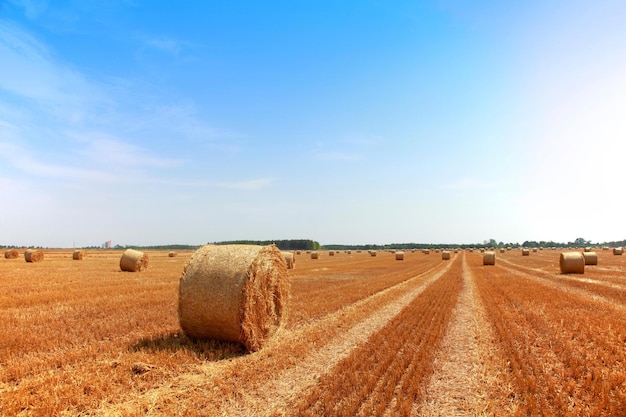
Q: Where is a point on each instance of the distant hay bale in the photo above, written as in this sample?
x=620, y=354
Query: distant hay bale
x=290, y=259
x=572, y=263
x=11, y=254
x=525, y=252
x=502, y=250
x=591, y=258
x=618, y=251
x=314, y=255
x=236, y=293
x=425, y=251
x=331, y=253
x=298, y=252
x=399, y=256
x=133, y=261
x=33, y=255
x=172, y=254
x=534, y=250
x=445, y=255
x=489, y=258
x=587, y=249
x=373, y=253
x=78, y=255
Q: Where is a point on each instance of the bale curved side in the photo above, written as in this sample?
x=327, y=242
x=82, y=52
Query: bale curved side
x=236, y=293
x=445, y=255
x=572, y=263
x=290, y=259
x=134, y=261
x=11, y=254
x=399, y=256
x=591, y=258
x=78, y=255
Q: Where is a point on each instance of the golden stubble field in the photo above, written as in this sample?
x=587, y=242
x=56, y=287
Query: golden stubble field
x=363, y=336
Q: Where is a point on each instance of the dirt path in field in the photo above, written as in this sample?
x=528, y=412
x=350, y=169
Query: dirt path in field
x=585, y=294
x=466, y=379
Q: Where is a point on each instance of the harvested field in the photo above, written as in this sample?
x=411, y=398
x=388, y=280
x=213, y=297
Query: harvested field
x=363, y=336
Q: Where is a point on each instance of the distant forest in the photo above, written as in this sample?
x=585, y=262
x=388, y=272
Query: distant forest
x=307, y=244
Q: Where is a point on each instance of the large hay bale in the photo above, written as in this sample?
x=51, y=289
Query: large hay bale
x=525, y=252
x=314, y=255
x=290, y=259
x=235, y=293
x=591, y=258
x=445, y=255
x=33, y=255
x=133, y=261
x=399, y=256
x=572, y=263
x=78, y=255
x=489, y=258
x=618, y=251
x=11, y=254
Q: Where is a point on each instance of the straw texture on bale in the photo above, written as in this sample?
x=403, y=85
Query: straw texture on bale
x=290, y=259
x=11, y=254
x=591, y=258
x=235, y=293
x=399, y=256
x=525, y=252
x=572, y=263
x=78, y=255
x=172, y=254
x=618, y=251
x=373, y=253
x=445, y=255
x=33, y=255
x=314, y=255
x=489, y=258
x=134, y=261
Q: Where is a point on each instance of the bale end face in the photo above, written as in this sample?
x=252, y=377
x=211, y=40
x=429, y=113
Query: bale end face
x=11, y=254
x=78, y=255
x=399, y=256
x=445, y=255
x=572, y=263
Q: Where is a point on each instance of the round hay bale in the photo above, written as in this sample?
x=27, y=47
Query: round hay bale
x=572, y=263
x=78, y=255
x=587, y=249
x=399, y=256
x=315, y=255
x=425, y=251
x=525, y=252
x=172, y=254
x=133, y=261
x=11, y=254
x=331, y=253
x=591, y=258
x=235, y=293
x=373, y=253
x=445, y=255
x=489, y=258
x=618, y=251
x=290, y=259
x=502, y=250
x=33, y=255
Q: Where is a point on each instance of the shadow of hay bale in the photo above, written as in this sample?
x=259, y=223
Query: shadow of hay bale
x=205, y=350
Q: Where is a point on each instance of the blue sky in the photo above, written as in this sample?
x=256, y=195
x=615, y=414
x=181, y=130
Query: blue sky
x=339, y=121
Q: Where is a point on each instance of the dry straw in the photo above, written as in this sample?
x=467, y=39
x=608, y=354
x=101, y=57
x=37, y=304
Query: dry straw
x=11, y=254
x=572, y=263
x=314, y=255
x=172, y=254
x=618, y=251
x=235, y=293
x=373, y=253
x=525, y=252
x=489, y=258
x=78, y=255
x=290, y=259
x=445, y=255
x=399, y=256
x=133, y=261
x=591, y=258
x=33, y=255
x=331, y=253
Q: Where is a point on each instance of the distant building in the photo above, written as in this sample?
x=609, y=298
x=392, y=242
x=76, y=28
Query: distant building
x=107, y=244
